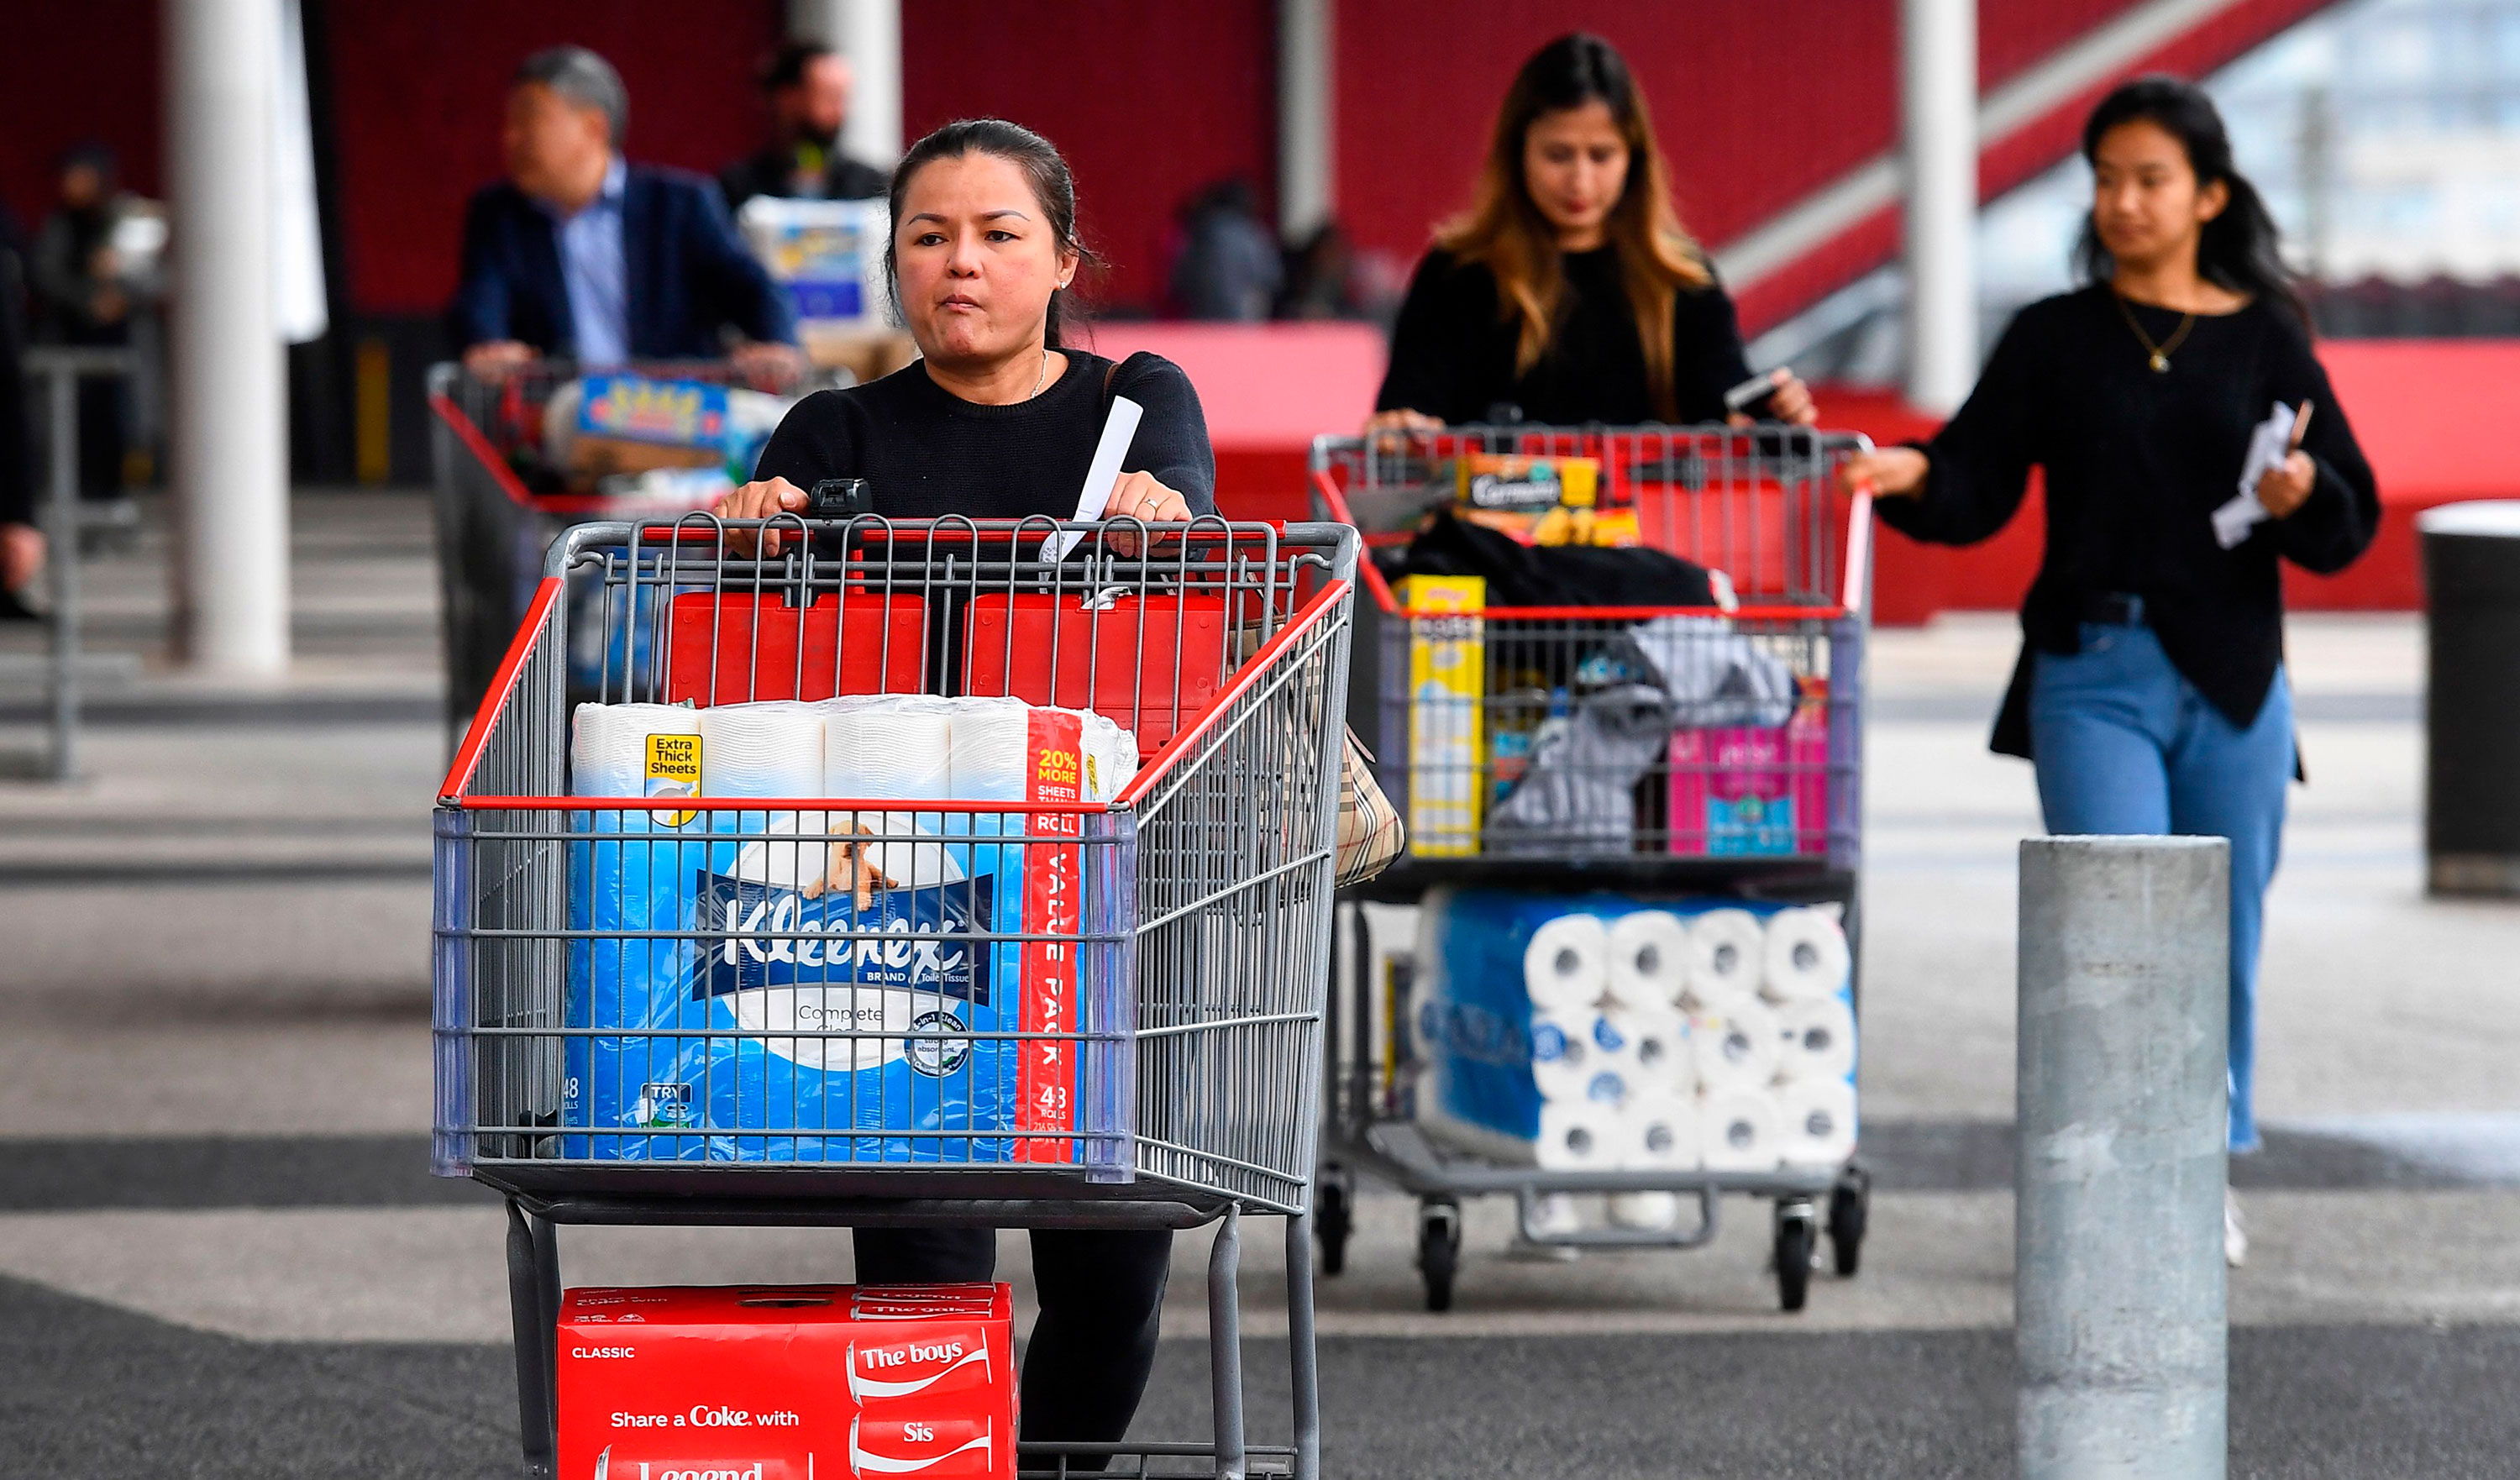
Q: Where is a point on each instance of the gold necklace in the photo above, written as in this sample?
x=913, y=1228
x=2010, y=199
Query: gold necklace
x=1044, y=376
x=2162, y=351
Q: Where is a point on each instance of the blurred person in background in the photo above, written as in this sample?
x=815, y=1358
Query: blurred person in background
x=581, y=254
x=2150, y=694
x=1321, y=278
x=1570, y=293
x=806, y=86
x=22, y=538
x=1225, y=266
x=93, y=277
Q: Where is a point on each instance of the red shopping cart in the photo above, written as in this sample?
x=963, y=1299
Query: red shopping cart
x=1164, y=1068
x=1754, y=794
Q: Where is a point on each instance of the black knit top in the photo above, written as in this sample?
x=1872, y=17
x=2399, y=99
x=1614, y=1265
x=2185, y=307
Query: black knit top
x=928, y=453
x=2136, y=462
x=1453, y=351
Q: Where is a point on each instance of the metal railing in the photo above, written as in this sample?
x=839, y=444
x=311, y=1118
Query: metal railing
x=60, y=368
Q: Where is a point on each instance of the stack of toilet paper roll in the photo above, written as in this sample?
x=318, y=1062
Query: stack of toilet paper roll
x=1665, y=1039
x=1610, y=1057
x=1766, y=1036
x=1669, y=1040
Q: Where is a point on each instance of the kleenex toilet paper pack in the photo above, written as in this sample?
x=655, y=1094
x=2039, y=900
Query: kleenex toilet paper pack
x=809, y=926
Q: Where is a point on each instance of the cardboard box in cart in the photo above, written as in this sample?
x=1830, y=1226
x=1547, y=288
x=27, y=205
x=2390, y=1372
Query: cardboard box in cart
x=792, y=1382
x=1447, y=697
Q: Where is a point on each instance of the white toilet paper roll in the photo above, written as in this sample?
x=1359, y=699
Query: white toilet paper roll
x=1806, y=957
x=1818, y=1116
x=1648, y=959
x=761, y=750
x=1659, y=1133
x=891, y=746
x=1562, y=1057
x=1655, y=1049
x=608, y=752
x=1726, y=953
x=1736, y=1049
x=1566, y=966
x=990, y=750
x=1818, y=1038
x=1577, y=1136
x=1741, y=1131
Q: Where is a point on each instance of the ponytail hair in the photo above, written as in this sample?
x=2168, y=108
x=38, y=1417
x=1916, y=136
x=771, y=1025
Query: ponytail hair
x=2239, y=250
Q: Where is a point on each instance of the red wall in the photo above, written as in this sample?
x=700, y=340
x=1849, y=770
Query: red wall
x=73, y=72
x=1197, y=103
x=421, y=86
x=1755, y=105
x=1148, y=100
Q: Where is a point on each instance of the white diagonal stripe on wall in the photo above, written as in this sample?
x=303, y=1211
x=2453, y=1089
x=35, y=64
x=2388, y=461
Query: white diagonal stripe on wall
x=1810, y=222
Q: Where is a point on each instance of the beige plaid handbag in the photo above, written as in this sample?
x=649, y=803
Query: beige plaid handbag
x=1371, y=834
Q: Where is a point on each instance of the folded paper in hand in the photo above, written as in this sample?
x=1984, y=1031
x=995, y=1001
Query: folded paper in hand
x=2268, y=445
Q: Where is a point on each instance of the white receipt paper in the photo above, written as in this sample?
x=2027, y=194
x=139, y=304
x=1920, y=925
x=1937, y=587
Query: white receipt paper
x=2269, y=446
x=1117, y=432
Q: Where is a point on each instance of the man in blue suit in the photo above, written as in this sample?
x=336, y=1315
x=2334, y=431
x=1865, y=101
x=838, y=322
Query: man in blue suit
x=580, y=253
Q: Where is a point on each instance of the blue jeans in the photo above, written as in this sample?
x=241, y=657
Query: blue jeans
x=2124, y=745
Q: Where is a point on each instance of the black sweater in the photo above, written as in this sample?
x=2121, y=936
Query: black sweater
x=928, y=453
x=2136, y=462
x=1453, y=351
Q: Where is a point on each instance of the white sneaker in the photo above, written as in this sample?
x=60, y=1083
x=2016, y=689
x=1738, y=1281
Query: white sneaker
x=1646, y=1212
x=2235, y=1237
x=1551, y=1214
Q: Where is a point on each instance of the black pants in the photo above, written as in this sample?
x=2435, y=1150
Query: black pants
x=1101, y=1294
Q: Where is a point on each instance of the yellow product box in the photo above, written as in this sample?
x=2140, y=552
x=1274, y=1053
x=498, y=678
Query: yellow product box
x=1446, y=694
x=1540, y=500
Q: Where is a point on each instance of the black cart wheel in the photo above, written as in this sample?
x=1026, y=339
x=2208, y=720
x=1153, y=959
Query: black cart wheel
x=1793, y=1259
x=1439, y=1251
x=1850, y=1204
x=1333, y=1221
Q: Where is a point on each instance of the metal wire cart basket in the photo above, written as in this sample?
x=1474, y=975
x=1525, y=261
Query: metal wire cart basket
x=1094, y=1004
x=1681, y=742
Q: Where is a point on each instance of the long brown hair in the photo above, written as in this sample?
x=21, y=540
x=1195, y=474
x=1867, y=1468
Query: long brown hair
x=1505, y=231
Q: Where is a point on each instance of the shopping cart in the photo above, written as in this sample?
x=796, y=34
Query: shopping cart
x=498, y=502
x=1761, y=505
x=1196, y=954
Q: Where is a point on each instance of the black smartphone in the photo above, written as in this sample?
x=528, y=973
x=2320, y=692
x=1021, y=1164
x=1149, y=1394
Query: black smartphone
x=1754, y=398
x=840, y=499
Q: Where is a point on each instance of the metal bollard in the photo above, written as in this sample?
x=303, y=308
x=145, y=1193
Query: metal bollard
x=2120, y=1333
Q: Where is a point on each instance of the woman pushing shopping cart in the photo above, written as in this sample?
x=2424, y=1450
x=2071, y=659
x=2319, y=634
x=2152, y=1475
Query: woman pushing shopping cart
x=1144, y=1055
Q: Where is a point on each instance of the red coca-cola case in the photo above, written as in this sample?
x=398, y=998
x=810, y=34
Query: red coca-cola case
x=787, y=1382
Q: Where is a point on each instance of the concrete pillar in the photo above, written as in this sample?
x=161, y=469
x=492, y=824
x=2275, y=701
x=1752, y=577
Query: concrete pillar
x=1938, y=100
x=1307, y=142
x=868, y=33
x=228, y=431
x=2120, y=1339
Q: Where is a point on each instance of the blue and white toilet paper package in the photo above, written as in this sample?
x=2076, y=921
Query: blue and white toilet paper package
x=1517, y=1037
x=745, y=898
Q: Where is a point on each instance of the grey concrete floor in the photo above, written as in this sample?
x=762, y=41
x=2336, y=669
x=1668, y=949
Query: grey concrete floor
x=219, y=1254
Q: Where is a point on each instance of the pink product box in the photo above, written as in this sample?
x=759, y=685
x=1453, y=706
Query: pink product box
x=1744, y=792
